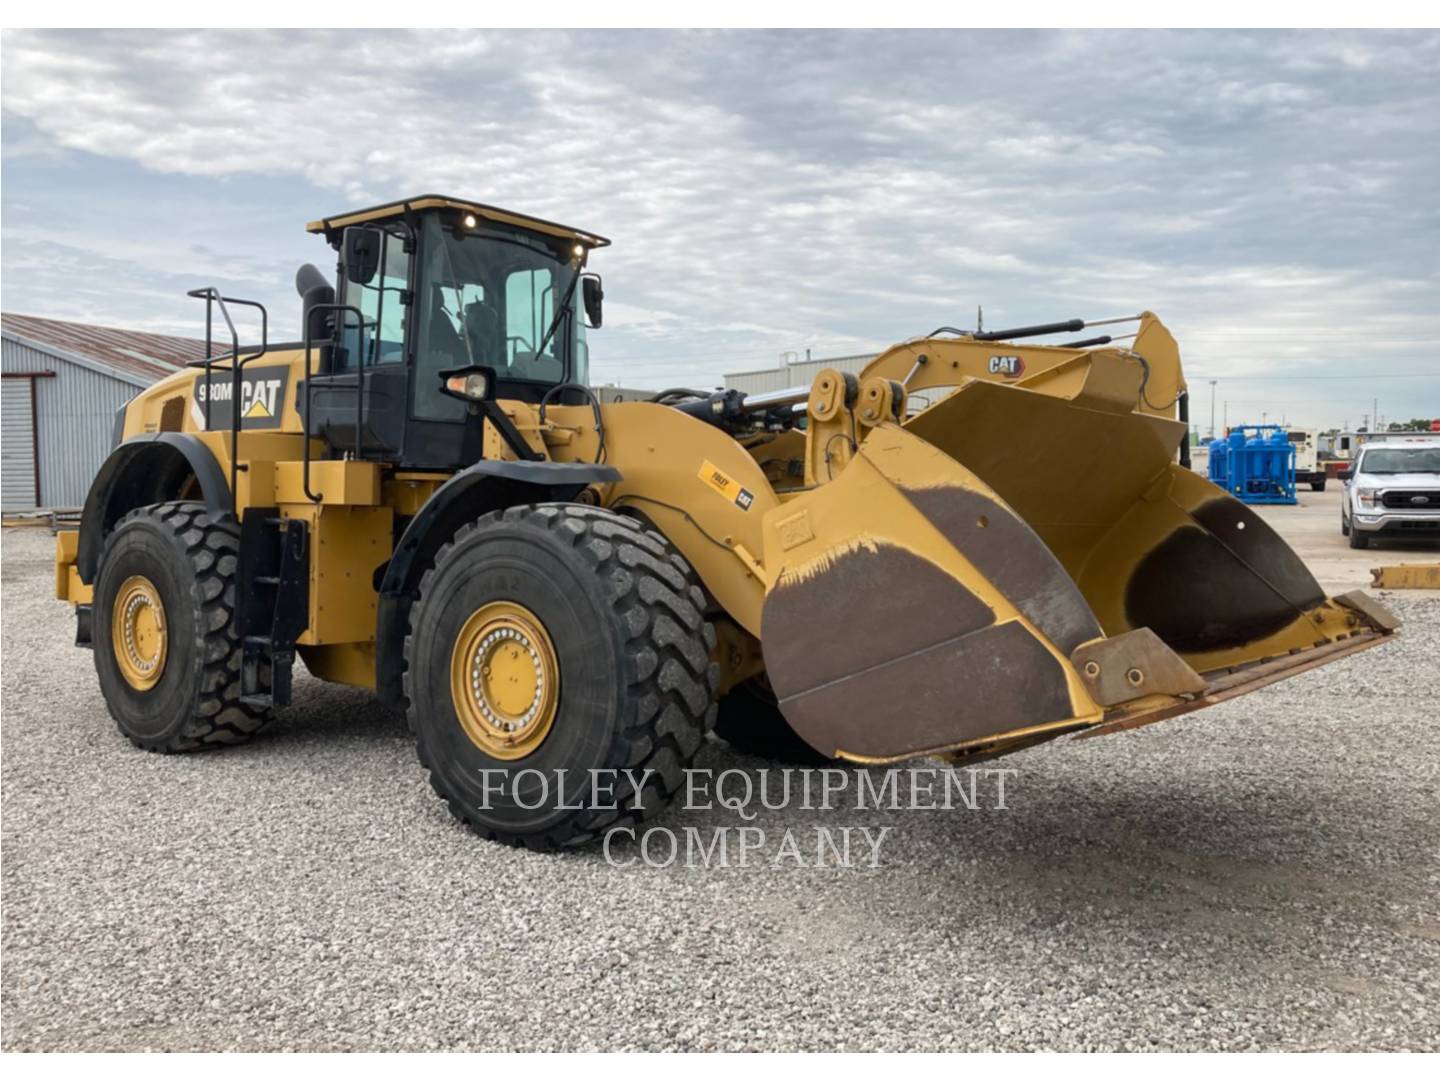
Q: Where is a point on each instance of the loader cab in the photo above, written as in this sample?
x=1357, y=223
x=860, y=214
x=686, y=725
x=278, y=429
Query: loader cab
x=436, y=285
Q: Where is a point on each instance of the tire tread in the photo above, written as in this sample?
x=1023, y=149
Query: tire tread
x=220, y=717
x=671, y=679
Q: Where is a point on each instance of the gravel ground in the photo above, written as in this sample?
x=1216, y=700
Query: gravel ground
x=1261, y=875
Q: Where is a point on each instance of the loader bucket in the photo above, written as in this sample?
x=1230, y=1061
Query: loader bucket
x=1010, y=565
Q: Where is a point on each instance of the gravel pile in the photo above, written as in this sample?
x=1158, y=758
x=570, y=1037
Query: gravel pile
x=1265, y=874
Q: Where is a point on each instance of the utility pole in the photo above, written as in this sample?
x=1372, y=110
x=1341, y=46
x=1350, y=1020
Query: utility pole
x=1212, y=407
x=1375, y=413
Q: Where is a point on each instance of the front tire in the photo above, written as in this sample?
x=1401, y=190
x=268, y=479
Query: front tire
x=551, y=645
x=167, y=651
x=1359, y=540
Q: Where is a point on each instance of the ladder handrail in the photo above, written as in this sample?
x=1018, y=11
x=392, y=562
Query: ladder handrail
x=213, y=296
x=309, y=379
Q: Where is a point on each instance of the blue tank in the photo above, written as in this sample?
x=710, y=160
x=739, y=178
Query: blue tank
x=1217, y=461
x=1256, y=464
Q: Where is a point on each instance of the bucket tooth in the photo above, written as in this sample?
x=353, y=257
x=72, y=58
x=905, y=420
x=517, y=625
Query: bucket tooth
x=1132, y=666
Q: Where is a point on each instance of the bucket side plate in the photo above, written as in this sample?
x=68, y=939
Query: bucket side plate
x=914, y=611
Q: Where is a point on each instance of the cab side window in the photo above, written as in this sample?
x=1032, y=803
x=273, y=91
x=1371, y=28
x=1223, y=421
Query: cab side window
x=529, y=311
x=457, y=328
x=381, y=303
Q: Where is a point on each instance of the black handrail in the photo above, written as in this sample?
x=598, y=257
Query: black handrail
x=309, y=378
x=212, y=295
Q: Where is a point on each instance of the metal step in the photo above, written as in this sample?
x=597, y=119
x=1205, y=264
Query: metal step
x=272, y=604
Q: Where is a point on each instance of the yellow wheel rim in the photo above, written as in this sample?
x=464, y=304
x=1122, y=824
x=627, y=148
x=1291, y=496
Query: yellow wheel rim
x=137, y=632
x=504, y=680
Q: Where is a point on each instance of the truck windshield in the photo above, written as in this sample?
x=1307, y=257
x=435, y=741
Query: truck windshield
x=490, y=296
x=1395, y=460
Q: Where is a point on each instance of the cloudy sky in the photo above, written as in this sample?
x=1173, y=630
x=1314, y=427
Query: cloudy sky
x=1272, y=196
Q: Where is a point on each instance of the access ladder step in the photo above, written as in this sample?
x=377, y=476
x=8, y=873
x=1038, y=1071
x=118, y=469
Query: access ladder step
x=272, y=603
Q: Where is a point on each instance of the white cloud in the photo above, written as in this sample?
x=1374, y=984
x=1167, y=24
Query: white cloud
x=772, y=191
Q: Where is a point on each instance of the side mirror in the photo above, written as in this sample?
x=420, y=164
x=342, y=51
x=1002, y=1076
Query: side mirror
x=472, y=384
x=1343, y=474
x=361, y=256
x=593, y=293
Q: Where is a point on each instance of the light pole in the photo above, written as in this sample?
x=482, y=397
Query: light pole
x=1212, y=407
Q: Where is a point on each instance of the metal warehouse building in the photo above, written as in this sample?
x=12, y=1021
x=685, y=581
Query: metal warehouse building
x=63, y=382
x=802, y=373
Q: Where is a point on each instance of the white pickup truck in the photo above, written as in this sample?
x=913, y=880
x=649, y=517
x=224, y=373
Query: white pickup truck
x=1392, y=491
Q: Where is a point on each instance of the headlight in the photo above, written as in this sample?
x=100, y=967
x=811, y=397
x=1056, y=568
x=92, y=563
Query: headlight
x=1366, y=497
x=467, y=384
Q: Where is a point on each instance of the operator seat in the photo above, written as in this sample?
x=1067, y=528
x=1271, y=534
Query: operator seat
x=443, y=338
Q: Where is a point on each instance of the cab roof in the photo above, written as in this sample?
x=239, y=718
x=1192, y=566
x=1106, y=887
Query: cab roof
x=446, y=202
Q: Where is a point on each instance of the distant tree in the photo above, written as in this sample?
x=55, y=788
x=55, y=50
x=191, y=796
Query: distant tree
x=1409, y=425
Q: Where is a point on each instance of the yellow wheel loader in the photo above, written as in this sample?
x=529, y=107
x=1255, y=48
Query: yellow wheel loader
x=424, y=497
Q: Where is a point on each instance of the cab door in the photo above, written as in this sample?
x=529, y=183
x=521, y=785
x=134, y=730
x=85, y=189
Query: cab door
x=359, y=403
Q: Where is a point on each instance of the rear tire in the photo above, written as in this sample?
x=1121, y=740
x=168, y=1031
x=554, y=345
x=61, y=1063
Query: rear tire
x=611, y=616
x=186, y=565
x=750, y=720
x=1344, y=526
x=1318, y=485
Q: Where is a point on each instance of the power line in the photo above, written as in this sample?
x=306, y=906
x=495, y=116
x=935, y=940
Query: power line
x=1293, y=378
x=743, y=354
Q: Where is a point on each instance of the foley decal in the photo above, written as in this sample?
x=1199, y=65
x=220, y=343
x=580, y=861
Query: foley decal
x=262, y=397
x=719, y=481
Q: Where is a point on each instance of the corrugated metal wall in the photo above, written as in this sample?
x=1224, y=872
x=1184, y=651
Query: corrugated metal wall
x=611, y=395
x=18, y=457
x=803, y=374
x=75, y=414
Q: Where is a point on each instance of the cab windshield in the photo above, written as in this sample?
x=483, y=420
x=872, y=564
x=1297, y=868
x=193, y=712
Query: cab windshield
x=1395, y=460
x=490, y=296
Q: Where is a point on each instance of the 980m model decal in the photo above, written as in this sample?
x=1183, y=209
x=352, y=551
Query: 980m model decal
x=262, y=397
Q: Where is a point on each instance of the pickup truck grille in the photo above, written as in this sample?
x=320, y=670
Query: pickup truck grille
x=1411, y=500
